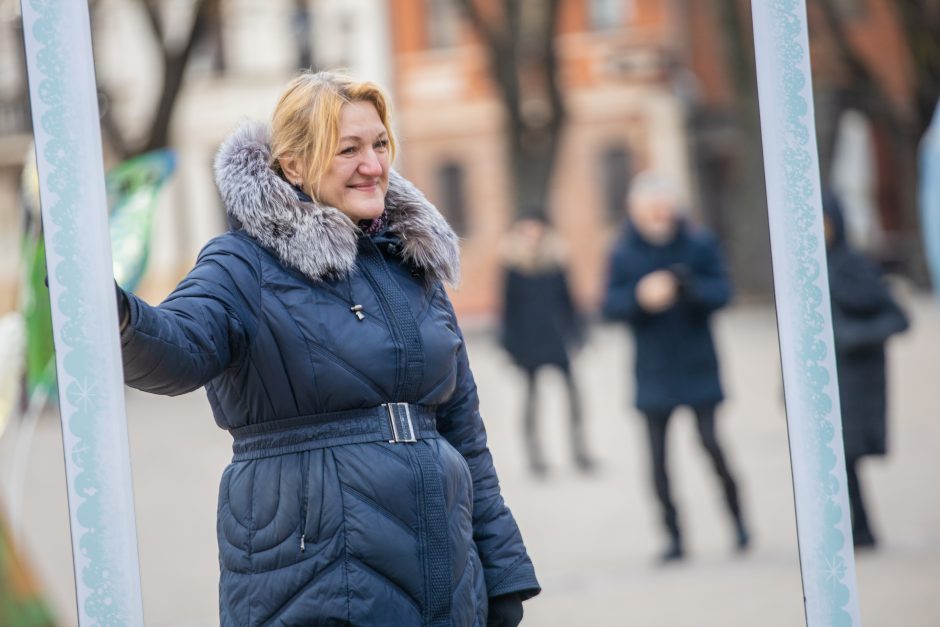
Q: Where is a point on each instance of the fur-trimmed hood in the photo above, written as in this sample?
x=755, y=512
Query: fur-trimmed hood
x=316, y=239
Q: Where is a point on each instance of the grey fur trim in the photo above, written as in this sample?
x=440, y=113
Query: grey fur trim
x=427, y=239
x=319, y=240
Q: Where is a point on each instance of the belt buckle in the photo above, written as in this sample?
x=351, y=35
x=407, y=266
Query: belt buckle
x=399, y=418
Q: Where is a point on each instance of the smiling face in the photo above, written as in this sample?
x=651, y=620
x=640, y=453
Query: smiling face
x=356, y=179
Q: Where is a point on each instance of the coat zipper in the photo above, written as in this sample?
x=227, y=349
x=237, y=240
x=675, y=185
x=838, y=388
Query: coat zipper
x=374, y=255
x=305, y=500
x=434, y=554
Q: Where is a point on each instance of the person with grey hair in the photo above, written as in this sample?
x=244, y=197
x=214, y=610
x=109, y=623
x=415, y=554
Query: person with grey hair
x=666, y=278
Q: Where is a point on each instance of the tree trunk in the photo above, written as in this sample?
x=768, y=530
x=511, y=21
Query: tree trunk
x=174, y=69
x=174, y=64
x=535, y=117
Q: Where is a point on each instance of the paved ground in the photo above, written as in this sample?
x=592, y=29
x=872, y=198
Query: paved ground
x=592, y=538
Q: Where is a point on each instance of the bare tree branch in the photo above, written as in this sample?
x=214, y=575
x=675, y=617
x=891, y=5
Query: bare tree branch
x=154, y=18
x=174, y=69
x=524, y=67
x=480, y=24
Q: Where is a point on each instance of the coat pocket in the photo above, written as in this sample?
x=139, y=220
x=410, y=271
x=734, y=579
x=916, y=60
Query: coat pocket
x=267, y=516
x=320, y=506
x=314, y=488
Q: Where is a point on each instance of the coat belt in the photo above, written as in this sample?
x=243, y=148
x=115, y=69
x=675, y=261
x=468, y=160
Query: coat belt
x=389, y=422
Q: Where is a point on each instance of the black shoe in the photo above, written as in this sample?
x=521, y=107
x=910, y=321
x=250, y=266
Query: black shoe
x=673, y=553
x=864, y=539
x=742, y=539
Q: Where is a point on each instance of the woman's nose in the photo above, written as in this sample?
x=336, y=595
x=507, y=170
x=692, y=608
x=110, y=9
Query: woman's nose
x=371, y=164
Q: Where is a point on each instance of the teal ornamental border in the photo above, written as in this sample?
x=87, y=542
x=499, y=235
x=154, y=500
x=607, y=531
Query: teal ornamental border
x=804, y=318
x=64, y=106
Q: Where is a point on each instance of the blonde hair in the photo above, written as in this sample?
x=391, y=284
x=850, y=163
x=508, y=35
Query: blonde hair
x=305, y=124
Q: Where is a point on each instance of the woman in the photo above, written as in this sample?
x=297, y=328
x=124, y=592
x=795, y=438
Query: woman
x=864, y=316
x=362, y=491
x=665, y=281
x=540, y=326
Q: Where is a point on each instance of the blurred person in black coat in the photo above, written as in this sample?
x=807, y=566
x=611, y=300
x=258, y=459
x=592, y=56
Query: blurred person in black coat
x=864, y=316
x=541, y=327
x=666, y=278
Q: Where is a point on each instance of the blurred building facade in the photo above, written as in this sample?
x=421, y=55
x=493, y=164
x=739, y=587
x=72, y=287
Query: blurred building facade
x=246, y=54
x=646, y=84
x=863, y=93
x=624, y=113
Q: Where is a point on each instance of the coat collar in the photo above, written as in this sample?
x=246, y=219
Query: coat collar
x=316, y=239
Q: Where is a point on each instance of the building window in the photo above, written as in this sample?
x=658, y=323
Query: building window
x=443, y=23
x=451, y=192
x=616, y=168
x=609, y=14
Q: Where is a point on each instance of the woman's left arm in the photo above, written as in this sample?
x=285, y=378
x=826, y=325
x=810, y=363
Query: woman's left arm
x=506, y=564
x=198, y=331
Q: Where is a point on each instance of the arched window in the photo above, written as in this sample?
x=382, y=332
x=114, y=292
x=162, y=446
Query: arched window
x=451, y=190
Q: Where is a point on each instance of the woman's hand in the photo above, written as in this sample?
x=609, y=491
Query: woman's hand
x=505, y=611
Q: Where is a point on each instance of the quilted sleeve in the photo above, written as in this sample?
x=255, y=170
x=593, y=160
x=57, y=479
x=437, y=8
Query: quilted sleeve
x=202, y=327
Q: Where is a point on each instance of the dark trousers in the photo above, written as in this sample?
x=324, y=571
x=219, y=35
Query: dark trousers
x=861, y=532
x=705, y=420
x=530, y=418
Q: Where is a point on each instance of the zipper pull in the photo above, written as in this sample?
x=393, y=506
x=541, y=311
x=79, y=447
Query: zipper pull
x=303, y=546
x=357, y=309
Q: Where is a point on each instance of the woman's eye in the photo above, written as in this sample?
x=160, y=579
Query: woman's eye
x=382, y=144
x=348, y=150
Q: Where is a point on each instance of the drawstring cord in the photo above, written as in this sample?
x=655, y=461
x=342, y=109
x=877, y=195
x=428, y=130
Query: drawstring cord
x=354, y=307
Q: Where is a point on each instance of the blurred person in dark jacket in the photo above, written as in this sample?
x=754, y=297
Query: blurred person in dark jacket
x=362, y=490
x=864, y=316
x=541, y=327
x=666, y=278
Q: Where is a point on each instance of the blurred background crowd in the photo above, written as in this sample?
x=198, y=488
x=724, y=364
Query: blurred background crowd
x=544, y=110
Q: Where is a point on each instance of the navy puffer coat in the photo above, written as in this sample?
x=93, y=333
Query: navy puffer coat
x=540, y=324
x=864, y=316
x=675, y=360
x=322, y=519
